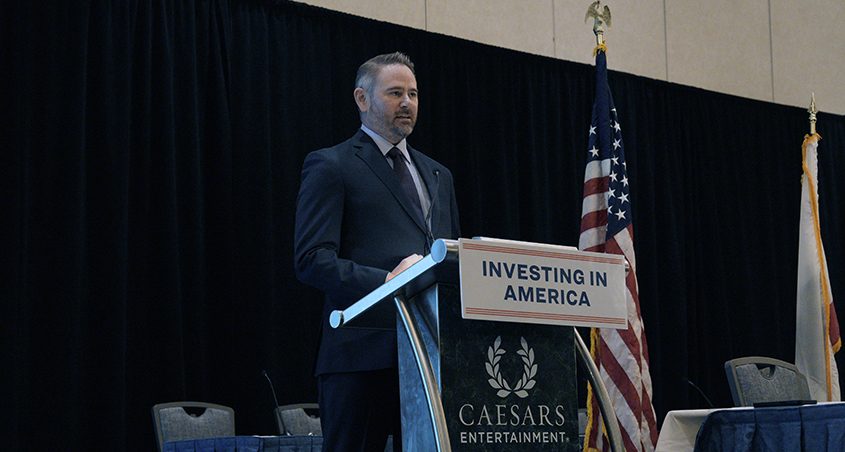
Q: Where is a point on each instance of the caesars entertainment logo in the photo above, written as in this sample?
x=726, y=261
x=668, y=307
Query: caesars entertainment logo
x=511, y=420
x=529, y=370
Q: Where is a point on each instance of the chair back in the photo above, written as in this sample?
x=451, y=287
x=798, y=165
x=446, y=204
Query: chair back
x=295, y=420
x=173, y=423
x=756, y=379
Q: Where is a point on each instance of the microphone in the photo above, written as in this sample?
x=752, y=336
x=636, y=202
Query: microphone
x=429, y=232
x=694, y=386
x=272, y=389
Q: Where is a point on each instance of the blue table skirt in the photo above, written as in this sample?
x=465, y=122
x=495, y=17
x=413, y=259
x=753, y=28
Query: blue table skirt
x=248, y=444
x=802, y=428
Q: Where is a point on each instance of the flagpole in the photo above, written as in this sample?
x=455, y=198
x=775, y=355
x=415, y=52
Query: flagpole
x=600, y=16
x=812, y=110
x=607, y=412
x=813, y=273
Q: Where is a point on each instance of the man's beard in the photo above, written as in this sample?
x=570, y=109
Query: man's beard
x=402, y=131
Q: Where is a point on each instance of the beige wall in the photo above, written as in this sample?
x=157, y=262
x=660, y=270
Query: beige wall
x=772, y=50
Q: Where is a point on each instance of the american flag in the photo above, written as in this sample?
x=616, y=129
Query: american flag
x=621, y=355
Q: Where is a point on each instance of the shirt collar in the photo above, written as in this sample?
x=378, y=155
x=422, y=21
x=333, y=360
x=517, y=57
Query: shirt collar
x=385, y=146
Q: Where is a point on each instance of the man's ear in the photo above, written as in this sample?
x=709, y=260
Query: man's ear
x=361, y=99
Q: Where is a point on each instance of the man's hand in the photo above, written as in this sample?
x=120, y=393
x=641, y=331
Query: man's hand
x=407, y=262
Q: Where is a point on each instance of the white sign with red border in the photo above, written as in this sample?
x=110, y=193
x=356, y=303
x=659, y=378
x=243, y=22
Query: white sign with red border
x=510, y=281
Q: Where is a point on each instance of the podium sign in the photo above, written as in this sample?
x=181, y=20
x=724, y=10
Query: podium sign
x=545, y=284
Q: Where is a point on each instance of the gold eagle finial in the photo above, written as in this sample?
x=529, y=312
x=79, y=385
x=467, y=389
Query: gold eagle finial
x=601, y=18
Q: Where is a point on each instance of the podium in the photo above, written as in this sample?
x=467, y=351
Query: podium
x=477, y=383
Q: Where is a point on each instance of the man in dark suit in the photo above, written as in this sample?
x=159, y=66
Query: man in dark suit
x=365, y=206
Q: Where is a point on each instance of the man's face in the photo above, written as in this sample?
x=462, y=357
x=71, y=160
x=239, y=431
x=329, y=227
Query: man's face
x=391, y=109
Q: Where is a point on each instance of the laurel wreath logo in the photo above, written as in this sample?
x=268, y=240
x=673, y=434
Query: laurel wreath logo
x=529, y=370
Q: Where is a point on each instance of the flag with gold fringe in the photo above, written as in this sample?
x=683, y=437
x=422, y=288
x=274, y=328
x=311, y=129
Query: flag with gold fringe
x=816, y=328
x=606, y=226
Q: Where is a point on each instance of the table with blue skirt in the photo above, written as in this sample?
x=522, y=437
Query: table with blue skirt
x=248, y=444
x=794, y=428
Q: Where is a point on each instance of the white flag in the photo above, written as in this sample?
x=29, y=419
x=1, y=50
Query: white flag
x=817, y=329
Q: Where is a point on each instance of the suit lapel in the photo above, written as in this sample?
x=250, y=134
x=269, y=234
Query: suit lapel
x=370, y=154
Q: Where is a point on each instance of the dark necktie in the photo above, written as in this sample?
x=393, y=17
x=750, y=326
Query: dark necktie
x=405, y=179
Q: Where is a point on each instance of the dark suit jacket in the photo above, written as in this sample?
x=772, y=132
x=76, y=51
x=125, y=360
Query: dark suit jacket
x=353, y=225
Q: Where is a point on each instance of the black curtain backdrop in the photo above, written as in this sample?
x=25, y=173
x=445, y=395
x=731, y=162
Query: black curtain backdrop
x=151, y=158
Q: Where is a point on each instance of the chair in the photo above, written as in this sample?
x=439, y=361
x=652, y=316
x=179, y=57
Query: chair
x=295, y=420
x=756, y=379
x=176, y=421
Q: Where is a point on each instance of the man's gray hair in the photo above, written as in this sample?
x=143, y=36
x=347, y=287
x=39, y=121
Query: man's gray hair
x=368, y=71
